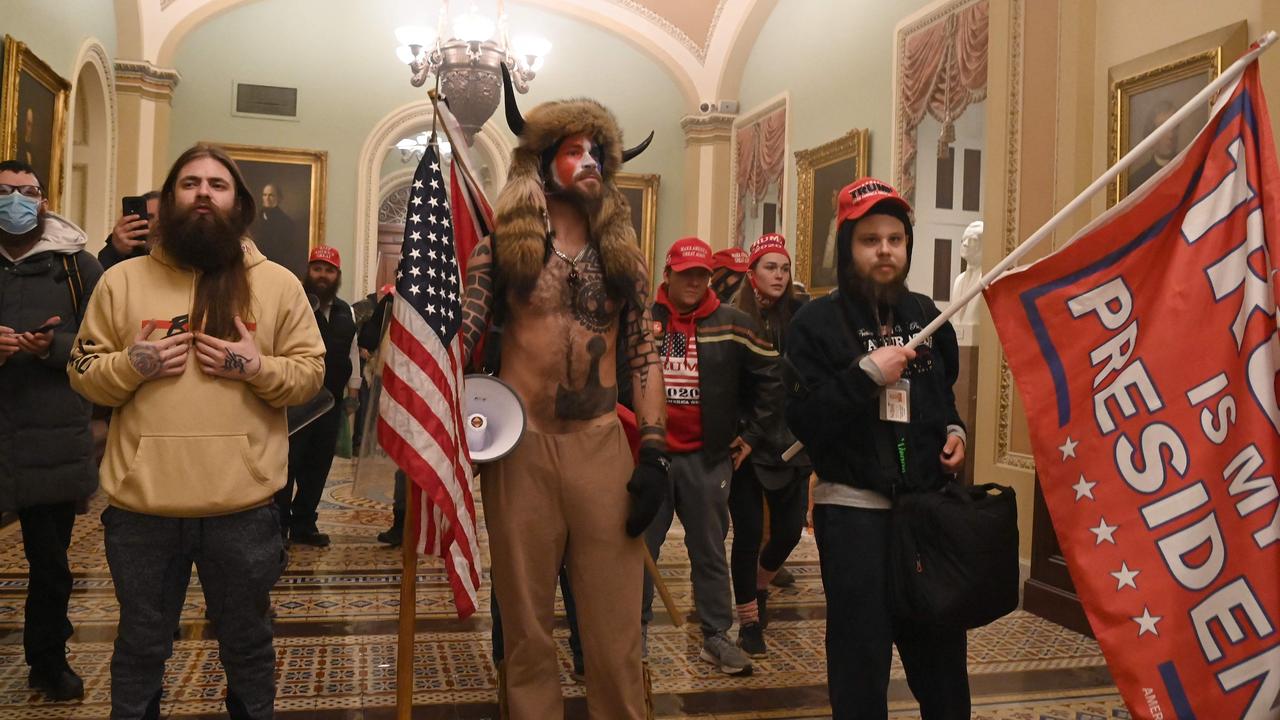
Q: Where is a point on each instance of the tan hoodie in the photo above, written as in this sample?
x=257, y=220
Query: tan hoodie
x=195, y=445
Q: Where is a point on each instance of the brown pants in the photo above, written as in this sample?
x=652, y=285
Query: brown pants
x=564, y=498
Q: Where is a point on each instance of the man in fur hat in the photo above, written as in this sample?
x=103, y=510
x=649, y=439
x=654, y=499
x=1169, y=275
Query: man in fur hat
x=564, y=276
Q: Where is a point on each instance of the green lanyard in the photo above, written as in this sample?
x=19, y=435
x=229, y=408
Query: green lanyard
x=902, y=455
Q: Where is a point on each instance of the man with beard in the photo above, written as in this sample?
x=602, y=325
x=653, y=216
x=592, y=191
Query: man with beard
x=851, y=372
x=565, y=278
x=273, y=230
x=311, y=448
x=199, y=347
x=46, y=452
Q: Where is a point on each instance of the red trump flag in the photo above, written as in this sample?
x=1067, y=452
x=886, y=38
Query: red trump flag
x=1146, y=351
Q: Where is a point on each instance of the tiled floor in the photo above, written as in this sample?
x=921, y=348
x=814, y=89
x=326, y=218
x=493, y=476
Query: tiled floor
x=335, y=640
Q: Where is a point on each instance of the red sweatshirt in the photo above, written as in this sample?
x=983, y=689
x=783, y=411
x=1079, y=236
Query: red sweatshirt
x=680, y=373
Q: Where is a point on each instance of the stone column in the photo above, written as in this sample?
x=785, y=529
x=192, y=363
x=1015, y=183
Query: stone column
x=707, y=168
x=144, y=93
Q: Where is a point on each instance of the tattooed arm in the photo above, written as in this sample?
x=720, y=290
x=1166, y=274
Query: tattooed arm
x=647, y=392
x=478, y=297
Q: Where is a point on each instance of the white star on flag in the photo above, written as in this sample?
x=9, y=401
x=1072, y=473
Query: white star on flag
x=414, y=252
x=416, y=200
x=432, y=201
x=1068, y=448
x=414, y=289
x=1083, y=489
x=415, y=235
x=435, y=184
x=414, y=271
x=415, y=218
x=1147, y=622
x=435, y=167
x=1104, y=532
x=417, y=184
x=1124, y=577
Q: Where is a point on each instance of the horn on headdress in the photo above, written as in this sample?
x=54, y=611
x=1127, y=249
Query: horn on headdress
x=630, y=153
x=515, y=120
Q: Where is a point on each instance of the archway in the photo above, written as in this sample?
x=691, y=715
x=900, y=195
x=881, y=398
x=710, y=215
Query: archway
x=491, y=148
x=90, y=198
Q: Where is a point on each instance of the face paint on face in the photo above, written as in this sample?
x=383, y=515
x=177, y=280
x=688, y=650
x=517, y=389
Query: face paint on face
x=577, y=161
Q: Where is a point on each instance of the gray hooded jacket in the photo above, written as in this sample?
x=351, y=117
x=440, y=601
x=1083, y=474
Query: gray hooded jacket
x=46, y=450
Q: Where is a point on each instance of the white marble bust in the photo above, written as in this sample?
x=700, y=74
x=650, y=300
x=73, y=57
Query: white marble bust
x=971, y=251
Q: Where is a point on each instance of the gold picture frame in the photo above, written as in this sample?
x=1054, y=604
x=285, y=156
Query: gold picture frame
x=1146, y=90
x=821, y=172
x=641, y=191
x=33, y=96
x=295, y=175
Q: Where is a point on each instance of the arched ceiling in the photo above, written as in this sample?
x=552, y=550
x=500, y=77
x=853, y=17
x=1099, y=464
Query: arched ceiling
x=702, y=43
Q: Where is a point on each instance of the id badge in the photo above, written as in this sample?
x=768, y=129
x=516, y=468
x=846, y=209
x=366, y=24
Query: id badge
x=895, y=402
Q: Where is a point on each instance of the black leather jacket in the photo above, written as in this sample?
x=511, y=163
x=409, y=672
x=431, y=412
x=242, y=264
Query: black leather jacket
x=738, y=375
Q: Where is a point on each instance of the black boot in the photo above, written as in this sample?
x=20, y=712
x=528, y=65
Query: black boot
x=394, y=535
x=56, y=681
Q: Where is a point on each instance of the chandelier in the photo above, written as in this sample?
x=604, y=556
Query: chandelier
x=413, y=148
x=467, y=63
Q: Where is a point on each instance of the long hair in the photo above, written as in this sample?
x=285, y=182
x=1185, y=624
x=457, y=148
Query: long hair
x=223, y=294
x=779, y=313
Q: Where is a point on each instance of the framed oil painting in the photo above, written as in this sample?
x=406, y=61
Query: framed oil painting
x=820, y=173
x=34, y=102
x=641, y=192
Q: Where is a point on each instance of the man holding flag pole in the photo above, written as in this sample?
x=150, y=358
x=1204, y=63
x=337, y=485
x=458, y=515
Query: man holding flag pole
x=1159, y=462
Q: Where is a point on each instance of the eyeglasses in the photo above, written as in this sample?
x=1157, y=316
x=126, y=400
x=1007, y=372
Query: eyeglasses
x=31, y=191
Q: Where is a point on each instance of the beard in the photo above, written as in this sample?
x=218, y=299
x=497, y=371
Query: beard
x=208, y=243
x=9, y=241
x=325, y=291
x=588, y=201
x=877, y=293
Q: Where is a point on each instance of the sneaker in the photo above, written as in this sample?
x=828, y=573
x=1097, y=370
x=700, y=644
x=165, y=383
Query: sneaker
x=783, y=578
x=58, y=683
x=309, y=537
x=762, y=607
x=726, y=656
x=751, y=640
x=393, y=536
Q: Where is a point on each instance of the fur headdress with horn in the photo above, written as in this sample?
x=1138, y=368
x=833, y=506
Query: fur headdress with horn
x=521, y=245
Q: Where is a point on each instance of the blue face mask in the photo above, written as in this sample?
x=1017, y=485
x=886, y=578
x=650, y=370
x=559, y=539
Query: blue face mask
x=18, y=213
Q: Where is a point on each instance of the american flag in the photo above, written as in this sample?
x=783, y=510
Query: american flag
x=420, y=417
x=680, y=368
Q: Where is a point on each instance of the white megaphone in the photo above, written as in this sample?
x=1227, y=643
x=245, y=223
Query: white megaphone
x=493, y=417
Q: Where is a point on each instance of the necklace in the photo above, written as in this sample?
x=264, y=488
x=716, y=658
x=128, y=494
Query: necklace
x=574, y=278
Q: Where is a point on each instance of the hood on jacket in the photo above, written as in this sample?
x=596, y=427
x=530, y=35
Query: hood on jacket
x=60, y=236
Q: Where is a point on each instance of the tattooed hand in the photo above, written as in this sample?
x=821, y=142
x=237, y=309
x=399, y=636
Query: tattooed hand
x=238, y=360
x=159, y=359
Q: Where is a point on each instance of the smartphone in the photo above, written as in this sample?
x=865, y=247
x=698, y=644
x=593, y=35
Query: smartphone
x=134, y=205
x=43, y=328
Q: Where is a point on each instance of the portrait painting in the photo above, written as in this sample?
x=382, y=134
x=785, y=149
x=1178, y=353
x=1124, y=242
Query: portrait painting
x=822, y=172
x=1143, y=100
x=35, y=107
x=641, y=192
x=288, y=187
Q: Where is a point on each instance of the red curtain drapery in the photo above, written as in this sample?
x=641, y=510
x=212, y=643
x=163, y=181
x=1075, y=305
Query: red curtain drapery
x=761, y=161
x=942, y=71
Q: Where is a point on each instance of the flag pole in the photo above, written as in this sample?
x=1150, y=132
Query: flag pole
x=408, y=602
x=1226, y=78
x=458, y=157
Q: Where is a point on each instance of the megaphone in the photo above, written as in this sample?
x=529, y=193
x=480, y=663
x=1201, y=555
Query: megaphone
x=493, y=417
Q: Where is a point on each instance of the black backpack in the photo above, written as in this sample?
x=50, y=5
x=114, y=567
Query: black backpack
x=953, y=558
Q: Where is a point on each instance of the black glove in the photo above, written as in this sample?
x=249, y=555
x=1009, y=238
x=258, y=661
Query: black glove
x=649, y=488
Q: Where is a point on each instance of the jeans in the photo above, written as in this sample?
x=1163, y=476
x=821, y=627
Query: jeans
x=239, y=557
x=853, y=546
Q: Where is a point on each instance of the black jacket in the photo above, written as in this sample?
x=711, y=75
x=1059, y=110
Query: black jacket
x=338, y=330
x=738, y=376
x=109, y=256
x=46, y=449
x=833, y=406
x=769, y=452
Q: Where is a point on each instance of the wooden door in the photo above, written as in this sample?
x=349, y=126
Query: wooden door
x=1049, y=591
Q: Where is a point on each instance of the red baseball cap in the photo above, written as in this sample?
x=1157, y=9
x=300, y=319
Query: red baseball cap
x=324, y=253
x=765, y=244
x=858, y=197
x=688, y=253
x=734, y=259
